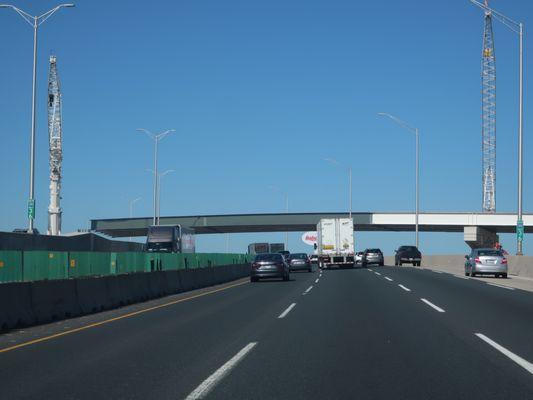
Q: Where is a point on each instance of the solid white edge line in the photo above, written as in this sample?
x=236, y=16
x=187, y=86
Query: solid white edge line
x=389, y=279
x=404, y=288
x=206, y=386
x=437, y=272
x=500, y=286
x=377, y=273
x=517, y=359
x=461, y=277
x=287, y=310
x=429, y=303
x=308, y=289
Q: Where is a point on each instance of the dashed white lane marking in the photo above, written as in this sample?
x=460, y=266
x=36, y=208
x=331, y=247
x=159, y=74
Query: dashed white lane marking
x=404, y=288
x=308, y=289
x=287, y=310
x=371, y=270
x=389, y=279
x=377, y=273
x=206, y=386
x=517, y=359
x=429, y=303
x=316, y=280
x=500, y=286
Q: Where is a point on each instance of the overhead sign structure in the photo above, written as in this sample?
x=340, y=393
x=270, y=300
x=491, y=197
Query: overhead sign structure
x=309, y=238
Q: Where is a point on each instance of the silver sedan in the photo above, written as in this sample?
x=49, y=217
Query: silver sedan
x=486, y=262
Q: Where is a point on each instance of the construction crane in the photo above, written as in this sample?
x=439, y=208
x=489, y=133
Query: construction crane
x=56, y=148
x=488, y=113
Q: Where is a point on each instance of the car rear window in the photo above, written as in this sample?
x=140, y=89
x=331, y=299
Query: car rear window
x=268, y=257
x=408, y=248
x=373, y=251
x=301, y=256
x=494, y=253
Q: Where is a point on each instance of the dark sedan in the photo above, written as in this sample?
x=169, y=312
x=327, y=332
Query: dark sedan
x=299, y=262
x=269, y=265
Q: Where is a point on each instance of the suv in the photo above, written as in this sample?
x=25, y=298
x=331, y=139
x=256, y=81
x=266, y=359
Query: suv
x=372, y=256
x=408, y=254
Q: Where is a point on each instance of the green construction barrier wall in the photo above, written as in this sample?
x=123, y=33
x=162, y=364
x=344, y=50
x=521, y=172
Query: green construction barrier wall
x=39, y=265
x=128, y=262
x=86, y=263
x=16, y=266
x=10, y=266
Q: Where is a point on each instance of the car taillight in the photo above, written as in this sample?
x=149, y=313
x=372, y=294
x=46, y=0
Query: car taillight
x=504, y=260
x=477, y=260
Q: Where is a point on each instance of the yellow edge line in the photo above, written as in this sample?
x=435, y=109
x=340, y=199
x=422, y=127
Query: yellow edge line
x=107, y=321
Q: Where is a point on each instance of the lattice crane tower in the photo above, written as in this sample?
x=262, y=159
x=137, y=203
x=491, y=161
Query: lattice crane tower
x=55, y=133
x=488, y=129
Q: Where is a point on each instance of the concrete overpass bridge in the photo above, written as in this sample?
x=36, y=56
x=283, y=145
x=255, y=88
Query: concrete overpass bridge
x=479, y=229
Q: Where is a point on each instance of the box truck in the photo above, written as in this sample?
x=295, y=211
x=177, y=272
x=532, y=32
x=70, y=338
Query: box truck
x=335, y=242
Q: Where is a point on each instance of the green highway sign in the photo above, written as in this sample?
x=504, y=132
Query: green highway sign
x=31, y=208
x=520, y=230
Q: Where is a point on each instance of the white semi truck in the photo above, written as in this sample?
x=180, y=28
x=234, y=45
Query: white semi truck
x=335, y=242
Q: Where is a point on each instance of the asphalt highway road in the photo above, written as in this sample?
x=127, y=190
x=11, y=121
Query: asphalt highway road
x=377, y=333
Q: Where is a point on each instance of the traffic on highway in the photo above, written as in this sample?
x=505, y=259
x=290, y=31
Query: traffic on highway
x=119, y=281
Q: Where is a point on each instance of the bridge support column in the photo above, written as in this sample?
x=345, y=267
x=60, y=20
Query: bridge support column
x=476, y=237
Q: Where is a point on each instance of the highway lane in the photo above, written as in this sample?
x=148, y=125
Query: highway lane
x=502, y=313
x=160, y=354
x=342, y=334
x=362, y=336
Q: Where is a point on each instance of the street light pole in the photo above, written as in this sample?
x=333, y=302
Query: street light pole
x=517, y=27
x=132, y=202
x=286, y=212
x=277, y=189
x=350, y=173
x=417, y=212
x=161, y=175
x=417, y=166
x=156, y=139
x=35, y=21
x=520, y=221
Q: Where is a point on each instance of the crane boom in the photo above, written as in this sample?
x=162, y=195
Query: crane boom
x=55, y=147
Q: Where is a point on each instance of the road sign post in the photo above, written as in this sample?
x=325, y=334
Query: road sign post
x=520, y=230
x=31, y=208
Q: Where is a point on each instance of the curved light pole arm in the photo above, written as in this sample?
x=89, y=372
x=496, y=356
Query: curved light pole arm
x=30, y=19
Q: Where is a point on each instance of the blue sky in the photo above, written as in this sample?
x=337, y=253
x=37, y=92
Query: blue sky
x=259, y=93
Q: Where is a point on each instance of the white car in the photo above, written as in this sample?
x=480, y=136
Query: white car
x=359, y=257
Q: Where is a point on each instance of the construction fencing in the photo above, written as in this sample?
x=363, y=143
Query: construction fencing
x=25, y=266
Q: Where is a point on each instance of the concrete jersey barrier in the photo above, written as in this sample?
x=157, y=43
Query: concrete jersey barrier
x=31, y=303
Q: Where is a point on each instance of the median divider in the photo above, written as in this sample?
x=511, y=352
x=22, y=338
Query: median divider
x=30, y=303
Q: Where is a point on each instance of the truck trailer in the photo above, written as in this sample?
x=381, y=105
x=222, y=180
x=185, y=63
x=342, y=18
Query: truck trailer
x=335, y=242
